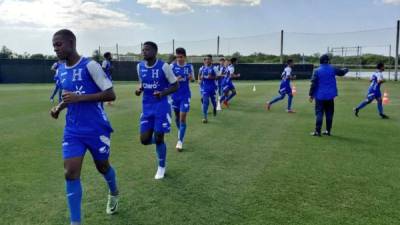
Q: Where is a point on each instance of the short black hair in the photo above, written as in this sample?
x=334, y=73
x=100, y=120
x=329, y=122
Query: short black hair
x=180, y=51
x=209, y=56
x=222, y=59
x=107, y=54
x=233, y=60
x=289, y=61
x=66, y=34
x=380, y=65
x=151, y=44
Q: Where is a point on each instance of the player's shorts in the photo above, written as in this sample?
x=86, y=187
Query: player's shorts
x=156, y=117
x=228, y=87
x=285, y=90
x=181, y=104
x=374, y=95
x=76, y=146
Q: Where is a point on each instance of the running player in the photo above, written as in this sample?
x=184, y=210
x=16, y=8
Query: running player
x=208, y=75
x=229, y=89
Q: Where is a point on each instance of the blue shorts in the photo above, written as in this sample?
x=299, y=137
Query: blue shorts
x=228, y=87
x=208, y=94
x=285, y=90
x=182, y=104
x=374, y=95
x=76, y=146
x=156, y=117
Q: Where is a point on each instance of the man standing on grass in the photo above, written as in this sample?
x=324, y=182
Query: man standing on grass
x=285, y=88
x=156, y=81
x=107, y=67
x=324, y=90
x=86, y=87
x=374, y=92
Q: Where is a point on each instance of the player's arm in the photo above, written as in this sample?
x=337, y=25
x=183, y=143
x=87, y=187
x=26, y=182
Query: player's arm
x=139, y=89
x=191, y=74
x=174, y=84
x=54, y=67
x=314, y=85
x=341, y=72
x=100, y=78
x=233, y=74
x=55, y=111
x=200, y=76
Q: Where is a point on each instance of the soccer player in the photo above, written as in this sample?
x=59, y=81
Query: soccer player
x=374, y=92
x=156, y=81
x=324, y=90
x=85, y=87
x=107, y=67
x=228, y=87
x=285, y=88
x=181, y=99
x=57, y=87
x=208, y=75
x=221, y=72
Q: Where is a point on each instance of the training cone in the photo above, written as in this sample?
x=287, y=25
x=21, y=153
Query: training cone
x=385, y=99
x=294, y=90
x=254, y=88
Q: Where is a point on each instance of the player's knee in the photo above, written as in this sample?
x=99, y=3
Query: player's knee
x=71, y=174
x=102, y=167
x=159, y=139
x=145, y=140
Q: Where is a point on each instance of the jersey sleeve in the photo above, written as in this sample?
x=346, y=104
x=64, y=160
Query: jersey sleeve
x=379, y=77
x=104, y=64
x=191, y=74
x=98, y=76
x=216, y=71
x=169, y=74
x=231, y=70
x=54, y=66
x=288, y=71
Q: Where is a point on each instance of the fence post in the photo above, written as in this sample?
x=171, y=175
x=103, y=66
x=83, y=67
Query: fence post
x=117, y=52
x=218, y=40
x=396, y=63
x=281, y=46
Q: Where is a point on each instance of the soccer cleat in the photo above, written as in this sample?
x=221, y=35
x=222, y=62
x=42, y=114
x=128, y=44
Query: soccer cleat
x=160, y=173
x=315, y=134
x=383, y=116
x=268, y=106
x=326, y=133
x=204, y=121
x=290, y=111
x=356, y=111
x=112, y=204
x=179, y=146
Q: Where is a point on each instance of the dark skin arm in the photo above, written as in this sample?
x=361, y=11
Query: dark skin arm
x=172, y=88
x=71, y=97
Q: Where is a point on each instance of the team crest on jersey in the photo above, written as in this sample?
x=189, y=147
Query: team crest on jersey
x=77, y=75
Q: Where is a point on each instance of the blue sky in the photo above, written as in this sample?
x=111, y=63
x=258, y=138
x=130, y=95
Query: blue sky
x=27, y=26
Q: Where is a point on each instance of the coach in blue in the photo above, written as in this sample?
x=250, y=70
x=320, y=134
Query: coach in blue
x=324, y=90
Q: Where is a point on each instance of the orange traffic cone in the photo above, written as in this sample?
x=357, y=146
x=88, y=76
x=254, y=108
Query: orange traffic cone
x=294, y=90
x=385, y=99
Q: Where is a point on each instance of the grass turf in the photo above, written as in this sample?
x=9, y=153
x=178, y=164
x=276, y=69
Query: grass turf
x=247, y=166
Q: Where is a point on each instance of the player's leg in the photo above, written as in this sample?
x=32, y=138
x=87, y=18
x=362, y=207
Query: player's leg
x=276, y=99
x=184, y=109
x=319, y=114
x=54, y=93
x=146, y=129
x=100, y=149
x=214, y=103
x=380, y=108
x=72, y=170
x=367, y=101
x=162, y=125
x=176, y=107
x=233, y=94
x=290, y=101
x=73, y=153
x=206, y=103
x=59, y=94
x=329, y=107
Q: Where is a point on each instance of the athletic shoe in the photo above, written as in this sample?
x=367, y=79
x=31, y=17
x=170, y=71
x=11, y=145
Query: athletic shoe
x=160, y=173
x=290, y=111
x=383, y=116
x=112, y=204
x=179, y=146
x=356, y=111
x=326, y=133
x=315, y=134
x=268, y=106
x=204, y=121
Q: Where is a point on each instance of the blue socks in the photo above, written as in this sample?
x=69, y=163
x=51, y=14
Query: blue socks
x=111, y=181
x=161, y=154
x=206, y=102
x=380, y=107
x=182, y=130
x=290, y=99
x=74, y=199
x=276, y=99
x=362, y=105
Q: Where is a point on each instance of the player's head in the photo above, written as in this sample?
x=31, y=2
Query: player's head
x=222, y=61
x=380, y=66
x=149, y=50
x=289, y=62
x=64, y=43
x=233, y=60
x=180, y=55
x=107, y=56
x=324, y=59
x=208, y=60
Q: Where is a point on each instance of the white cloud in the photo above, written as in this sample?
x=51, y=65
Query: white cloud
x=176, y=6
x=392, y=2
x=54, y=14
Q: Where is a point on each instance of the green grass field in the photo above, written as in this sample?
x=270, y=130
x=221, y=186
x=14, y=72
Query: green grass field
x=247, y=166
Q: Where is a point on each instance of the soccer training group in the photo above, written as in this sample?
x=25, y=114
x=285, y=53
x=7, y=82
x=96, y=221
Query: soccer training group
x=83, y=86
